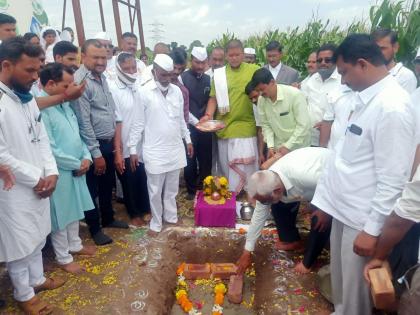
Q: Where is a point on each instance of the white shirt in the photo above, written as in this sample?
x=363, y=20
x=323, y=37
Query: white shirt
x=338, y=110
x=299, y=171
x=25, y=148
x=159, y=124
x=405, y=77
x=275, y=71
x=303, y=84
x=372, y=162
x=210, y=72
x=316, y=91
x=257, y=118
x=125, y=99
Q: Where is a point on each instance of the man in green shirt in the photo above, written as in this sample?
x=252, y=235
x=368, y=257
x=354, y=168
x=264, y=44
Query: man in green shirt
x=286, y=126
x=237, y=143
x=283, y=114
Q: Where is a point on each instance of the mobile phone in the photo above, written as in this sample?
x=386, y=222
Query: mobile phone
x=84, y=78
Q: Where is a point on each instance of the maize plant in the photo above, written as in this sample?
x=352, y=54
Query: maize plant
x=299, y=42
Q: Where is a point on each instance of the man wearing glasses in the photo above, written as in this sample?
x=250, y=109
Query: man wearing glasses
x=319, y=86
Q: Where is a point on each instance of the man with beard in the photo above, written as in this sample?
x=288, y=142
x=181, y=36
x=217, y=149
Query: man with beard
x=387, y=40
x=95, y=111
x=25, y=150
x=198, y=85
x=160, y=126
x=319, y=86
x=66, y=53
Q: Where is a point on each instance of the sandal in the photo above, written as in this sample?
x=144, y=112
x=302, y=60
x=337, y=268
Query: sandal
x=50, y=284
x=35, y=306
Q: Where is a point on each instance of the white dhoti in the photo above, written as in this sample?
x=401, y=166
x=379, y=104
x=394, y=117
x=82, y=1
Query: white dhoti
x=27, y=273
x=65, y=241
x=238, y=160
x=163, y=189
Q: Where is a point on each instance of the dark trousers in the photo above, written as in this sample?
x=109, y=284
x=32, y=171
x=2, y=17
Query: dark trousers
x=134, y=185
x=199, y=166
x=101, y=187
x=315, y=244
x=285, y=215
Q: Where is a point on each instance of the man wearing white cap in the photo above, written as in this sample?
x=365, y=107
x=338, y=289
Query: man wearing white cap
x=160, y=126
x=198, y=85
x=249, y=55
x=106, y=41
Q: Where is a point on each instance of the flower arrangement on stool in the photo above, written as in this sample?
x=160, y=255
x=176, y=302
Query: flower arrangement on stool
x=216, y=190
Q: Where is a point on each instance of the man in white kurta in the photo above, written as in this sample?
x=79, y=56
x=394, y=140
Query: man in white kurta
x=367, y=170
x=25, y=150
x=159, y=123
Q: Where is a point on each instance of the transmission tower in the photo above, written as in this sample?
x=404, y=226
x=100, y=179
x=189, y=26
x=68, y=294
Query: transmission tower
x=157, y=31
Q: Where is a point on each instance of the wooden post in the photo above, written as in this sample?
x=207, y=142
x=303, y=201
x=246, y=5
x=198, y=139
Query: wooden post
x=63, y=23
x=131, y=16
x=117, y=20
x=101, y=11
x=140, y=25
x=77, y=11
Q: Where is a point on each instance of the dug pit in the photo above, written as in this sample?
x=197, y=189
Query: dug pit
x=137, y=275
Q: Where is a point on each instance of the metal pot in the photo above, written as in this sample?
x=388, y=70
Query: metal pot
x=246, y=211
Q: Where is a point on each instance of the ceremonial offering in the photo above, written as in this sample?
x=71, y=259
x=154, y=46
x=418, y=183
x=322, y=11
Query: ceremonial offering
x=211, y=126
x=216, y=190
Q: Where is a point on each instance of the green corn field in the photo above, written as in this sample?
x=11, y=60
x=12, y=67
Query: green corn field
x=299, y=42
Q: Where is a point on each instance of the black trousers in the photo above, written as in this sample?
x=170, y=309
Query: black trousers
x=285, y=215
x=134, y=185
x=101, y=187
x=199, y=166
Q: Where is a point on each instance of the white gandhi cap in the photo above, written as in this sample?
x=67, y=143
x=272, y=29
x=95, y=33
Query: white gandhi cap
x=200, y=53
x=250, y=51
x=165, y=62
x=102, y=35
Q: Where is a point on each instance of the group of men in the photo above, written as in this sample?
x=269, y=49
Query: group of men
x=344, y=139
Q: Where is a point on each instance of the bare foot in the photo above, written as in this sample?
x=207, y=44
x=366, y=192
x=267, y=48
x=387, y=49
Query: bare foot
x=137, y=222
x=152, y=233
x=293, y=246
x=73, y=268
x=87, y=250
x=301, y=269
x=147, y=217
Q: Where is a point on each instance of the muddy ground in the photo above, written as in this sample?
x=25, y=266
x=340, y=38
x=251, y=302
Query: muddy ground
x=136, y=274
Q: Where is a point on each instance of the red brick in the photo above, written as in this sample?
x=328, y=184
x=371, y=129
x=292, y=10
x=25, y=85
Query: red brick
x=383, y=293
x=235, y=287
x=197, y=271
x=223, y=271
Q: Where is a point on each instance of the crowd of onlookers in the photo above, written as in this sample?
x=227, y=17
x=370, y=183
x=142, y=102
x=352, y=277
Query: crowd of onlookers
x=78, y=123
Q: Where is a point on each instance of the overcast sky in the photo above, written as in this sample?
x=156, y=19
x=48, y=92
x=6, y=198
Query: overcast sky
x=186, y=20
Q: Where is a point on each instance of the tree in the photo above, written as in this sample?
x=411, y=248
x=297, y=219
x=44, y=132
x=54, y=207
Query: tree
x=194, y=44
x=174, y=45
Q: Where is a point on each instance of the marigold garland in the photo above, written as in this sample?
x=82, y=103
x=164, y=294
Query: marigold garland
x=181, y=294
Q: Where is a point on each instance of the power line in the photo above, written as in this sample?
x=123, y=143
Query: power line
x=157, y=31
